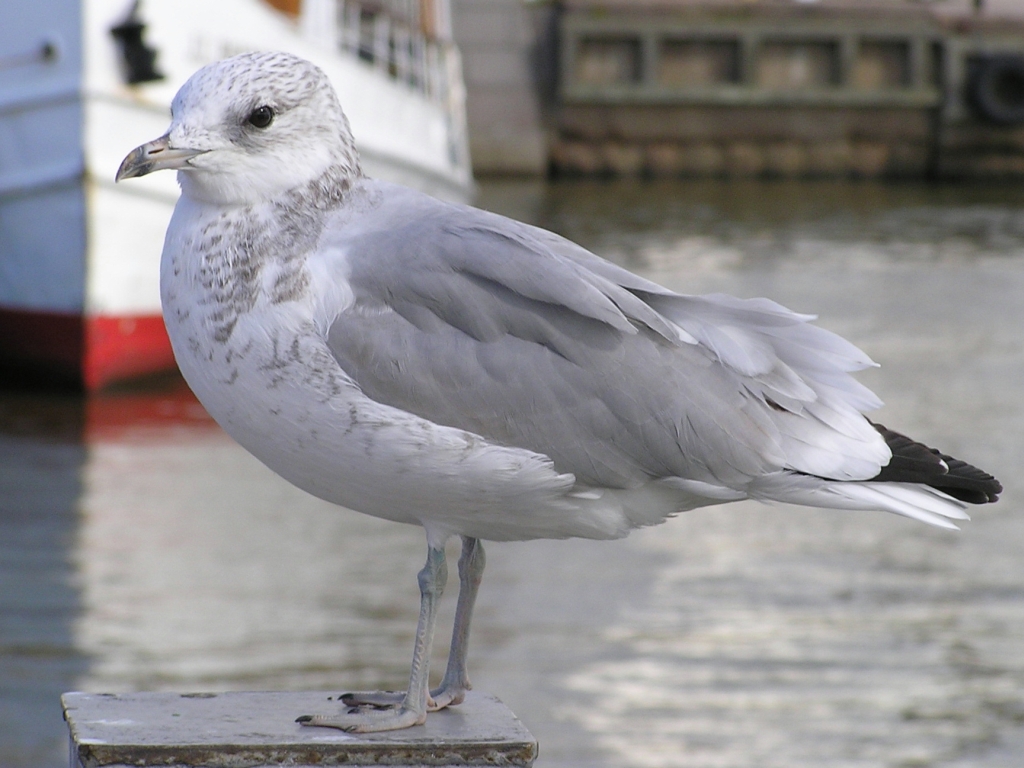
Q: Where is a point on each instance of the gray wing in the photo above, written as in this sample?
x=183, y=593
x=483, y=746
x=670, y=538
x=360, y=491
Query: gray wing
x=478, y=322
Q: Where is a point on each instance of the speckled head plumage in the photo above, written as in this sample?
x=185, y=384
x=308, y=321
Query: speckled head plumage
x=251, y=128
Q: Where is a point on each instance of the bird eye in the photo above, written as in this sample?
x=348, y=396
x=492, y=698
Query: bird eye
x=261, y=117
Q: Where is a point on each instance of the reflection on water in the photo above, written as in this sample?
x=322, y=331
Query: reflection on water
x=41, y=459
x=141, y=549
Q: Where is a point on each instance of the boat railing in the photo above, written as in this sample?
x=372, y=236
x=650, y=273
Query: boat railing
x=399, y=39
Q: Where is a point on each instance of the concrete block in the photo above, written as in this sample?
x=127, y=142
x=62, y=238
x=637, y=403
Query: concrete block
x=908, y=159
x=254, y=730
x=869, y=159
x=997, y=166
x=702, y=159
x=623, y=159
x=744, y=159
x=785, y=158
x=829, y=158
x=664, y=159
x=584, y=122
x=576, y=157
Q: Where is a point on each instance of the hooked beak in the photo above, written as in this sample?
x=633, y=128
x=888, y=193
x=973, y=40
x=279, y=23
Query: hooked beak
x=156, y=155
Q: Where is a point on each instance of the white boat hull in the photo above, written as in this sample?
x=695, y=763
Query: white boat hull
x=79, y=256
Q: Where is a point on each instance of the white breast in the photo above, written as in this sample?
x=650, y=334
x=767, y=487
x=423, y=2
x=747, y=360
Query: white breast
x=273, y=385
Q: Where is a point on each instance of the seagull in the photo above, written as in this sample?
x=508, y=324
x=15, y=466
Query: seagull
x=439, y=365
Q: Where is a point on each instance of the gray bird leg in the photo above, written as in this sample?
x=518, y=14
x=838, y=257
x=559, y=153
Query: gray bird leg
x=456, y=679
x=453, y=687
x=413, y=707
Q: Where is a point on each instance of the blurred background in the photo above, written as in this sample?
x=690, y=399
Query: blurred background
x=858, y=160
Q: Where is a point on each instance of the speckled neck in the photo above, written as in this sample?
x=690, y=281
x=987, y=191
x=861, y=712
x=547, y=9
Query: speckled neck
x=260, y=249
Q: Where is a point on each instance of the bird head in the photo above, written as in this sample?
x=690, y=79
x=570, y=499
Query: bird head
x=249, y=128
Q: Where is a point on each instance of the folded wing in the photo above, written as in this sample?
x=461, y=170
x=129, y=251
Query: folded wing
x=475, y=321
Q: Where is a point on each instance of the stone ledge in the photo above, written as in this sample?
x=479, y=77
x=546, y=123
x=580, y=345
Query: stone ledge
x=253, y=730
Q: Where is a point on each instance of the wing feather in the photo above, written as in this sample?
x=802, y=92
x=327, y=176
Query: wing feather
x=478, y=322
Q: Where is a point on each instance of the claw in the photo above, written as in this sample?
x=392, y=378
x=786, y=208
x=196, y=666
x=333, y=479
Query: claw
x=367, y=721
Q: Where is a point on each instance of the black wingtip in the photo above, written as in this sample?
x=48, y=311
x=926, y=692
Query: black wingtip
x=914, y=462
x=304, y=719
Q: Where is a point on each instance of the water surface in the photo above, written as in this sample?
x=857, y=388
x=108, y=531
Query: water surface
x=140, y=549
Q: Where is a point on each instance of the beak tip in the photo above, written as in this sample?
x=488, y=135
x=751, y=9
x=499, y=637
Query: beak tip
x=134, y=165
x=127, y=173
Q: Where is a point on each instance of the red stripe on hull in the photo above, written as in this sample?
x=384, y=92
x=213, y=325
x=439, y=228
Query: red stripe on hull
x=90, y=352
x=119, y=348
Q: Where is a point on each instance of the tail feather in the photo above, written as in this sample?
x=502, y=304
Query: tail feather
x=914, y=462
x=912, y=500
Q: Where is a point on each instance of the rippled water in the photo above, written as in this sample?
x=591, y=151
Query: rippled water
x=141, y=549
